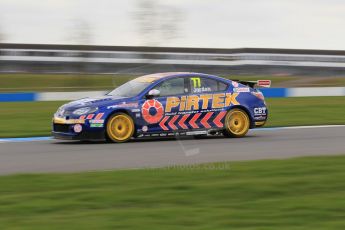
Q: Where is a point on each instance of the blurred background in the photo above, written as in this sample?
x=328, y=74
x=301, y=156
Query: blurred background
x=55, y=51
x=86, y=48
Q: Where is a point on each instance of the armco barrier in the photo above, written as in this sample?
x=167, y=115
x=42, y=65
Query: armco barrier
x=274, y=92
x=14, y=97
x=268, y=92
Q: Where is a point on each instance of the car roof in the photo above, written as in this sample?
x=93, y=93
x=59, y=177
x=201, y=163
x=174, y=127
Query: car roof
x=160, y=76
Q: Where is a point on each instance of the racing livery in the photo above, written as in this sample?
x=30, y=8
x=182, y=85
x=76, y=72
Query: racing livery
x=165, y=104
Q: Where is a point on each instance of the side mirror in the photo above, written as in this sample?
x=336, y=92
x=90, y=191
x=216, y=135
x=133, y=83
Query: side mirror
x=153, y=93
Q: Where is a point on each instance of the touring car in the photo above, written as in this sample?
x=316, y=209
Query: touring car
x=163, y=105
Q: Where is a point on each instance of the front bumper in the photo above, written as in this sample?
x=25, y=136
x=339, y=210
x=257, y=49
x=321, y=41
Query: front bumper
x=64, y=129
x=80, y=136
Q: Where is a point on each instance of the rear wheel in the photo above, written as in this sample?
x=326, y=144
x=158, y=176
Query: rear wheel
x=120, y=128
x=236, y=123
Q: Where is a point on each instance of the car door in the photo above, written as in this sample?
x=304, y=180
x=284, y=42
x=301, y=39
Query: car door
x=160, y=113
x=211, y=95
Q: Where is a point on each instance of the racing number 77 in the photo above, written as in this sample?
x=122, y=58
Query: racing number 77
x=196, y=82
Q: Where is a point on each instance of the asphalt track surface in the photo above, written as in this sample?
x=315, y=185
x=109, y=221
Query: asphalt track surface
x=62, y=156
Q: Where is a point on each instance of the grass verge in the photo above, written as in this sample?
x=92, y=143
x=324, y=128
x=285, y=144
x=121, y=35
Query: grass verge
x=300, y=193
x=20, y=119
x=60, y=82
x=306, y=111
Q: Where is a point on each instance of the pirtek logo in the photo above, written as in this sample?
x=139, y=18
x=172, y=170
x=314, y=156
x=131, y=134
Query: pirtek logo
x=186, y=103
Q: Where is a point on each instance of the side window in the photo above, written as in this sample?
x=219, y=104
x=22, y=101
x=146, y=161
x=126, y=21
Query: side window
x=204, y=85
x=222, y=86
x=171, y=87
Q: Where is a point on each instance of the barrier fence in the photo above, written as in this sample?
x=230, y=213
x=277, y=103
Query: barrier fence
x=268, y=92
x=39, y=58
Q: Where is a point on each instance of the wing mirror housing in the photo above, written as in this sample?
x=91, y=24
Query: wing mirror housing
x=153, y=93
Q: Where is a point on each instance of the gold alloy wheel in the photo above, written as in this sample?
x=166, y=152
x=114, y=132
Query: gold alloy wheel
x=236, y=123
x=120, y=127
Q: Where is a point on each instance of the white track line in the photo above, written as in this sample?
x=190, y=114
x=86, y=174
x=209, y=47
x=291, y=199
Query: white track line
x=298, y=127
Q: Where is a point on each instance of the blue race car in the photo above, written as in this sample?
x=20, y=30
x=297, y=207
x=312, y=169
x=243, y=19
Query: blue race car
x=165, y=104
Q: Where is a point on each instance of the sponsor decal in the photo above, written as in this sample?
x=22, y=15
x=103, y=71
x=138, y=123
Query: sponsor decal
x=90, y=116
x=235, y=84
x=196, y=82
x=152, y=111
x=99, y=116
x=259, y=95
x=202, y=90
x=145, y=128
x=241, y=90
x=135, y=110
x=58, y=120
x=176, y=134
x=264, y=83
x=75, y=121
x=259, y=118
x=180, y=120
x=196, y=132
x=96, y=121
x=188, y=103
x=96, y=125
x=77, y=128
x=137, y=115
x=260, y=111
x=124, y=105
x=204, y=121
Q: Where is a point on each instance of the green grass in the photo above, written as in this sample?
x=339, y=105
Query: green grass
x=306, y=111
x=300, y=193
x=20, y=119
x=60, y=82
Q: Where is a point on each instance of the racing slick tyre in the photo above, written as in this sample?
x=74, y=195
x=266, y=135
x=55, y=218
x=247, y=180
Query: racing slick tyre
x=119, y=128
x=236, y=123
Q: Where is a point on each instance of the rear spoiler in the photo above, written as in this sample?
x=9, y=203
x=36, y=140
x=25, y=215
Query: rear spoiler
x=259, y=83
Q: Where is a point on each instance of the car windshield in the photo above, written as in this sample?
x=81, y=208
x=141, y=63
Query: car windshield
x=130, y=89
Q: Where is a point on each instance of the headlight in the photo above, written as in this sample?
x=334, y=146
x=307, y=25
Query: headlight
x=84, y=110
x=60, y=112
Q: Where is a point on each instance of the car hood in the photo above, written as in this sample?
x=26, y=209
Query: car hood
x=95, y=101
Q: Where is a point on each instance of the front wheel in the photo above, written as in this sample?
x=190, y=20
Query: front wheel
x=236, y=123
x=120, y=128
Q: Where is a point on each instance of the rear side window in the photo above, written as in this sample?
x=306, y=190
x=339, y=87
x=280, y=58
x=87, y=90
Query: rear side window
x=204, y=85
